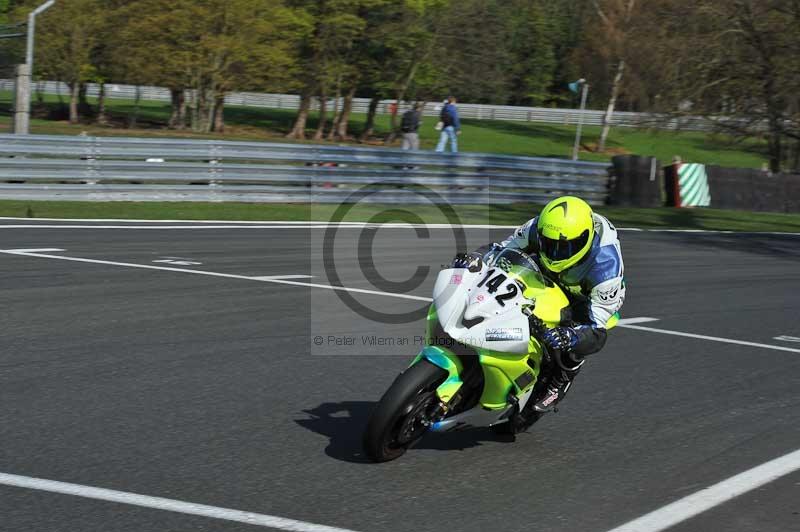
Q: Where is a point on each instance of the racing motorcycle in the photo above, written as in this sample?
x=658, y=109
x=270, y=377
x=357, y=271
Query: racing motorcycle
x=482, y=361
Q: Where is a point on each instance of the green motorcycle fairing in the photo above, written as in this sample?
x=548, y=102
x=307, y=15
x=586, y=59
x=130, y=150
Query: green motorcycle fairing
x=503, y=373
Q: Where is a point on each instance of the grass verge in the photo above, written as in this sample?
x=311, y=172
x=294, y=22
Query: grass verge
x=514, y=214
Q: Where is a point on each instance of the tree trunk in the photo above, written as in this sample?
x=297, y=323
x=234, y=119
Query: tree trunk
x=203, y=107
x=323, y=118
x=612, y=102
x=393, y=121
x=194, y=120
x=344, y=118
x=74, y=90
x=184, y=109
x=209, y=111
x=177, y=98
x=336, y=113
x=401, y=94
x=299, y=128
x=369, y=124
x=219, y=112
x=775, y=145
x=102, y=119
x=134, y=117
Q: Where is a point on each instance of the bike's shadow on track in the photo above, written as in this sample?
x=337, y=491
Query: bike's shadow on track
x=344, y=424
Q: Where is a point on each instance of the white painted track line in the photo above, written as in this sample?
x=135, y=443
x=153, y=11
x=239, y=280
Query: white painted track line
x=711, y=338
x=712, y=496
x=39, y=250
x=273, y=277
x=631, y=321
x=169, y=505
x=281, y=280
x=785, y=338
x=627, y=323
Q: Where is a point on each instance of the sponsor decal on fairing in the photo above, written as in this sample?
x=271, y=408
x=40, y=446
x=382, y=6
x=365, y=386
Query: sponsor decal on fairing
x=503, y=334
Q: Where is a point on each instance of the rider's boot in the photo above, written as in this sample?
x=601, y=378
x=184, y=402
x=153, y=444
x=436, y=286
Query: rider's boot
x=559, y=385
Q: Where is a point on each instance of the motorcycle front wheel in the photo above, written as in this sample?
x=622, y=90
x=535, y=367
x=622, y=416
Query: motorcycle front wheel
x=400, y=418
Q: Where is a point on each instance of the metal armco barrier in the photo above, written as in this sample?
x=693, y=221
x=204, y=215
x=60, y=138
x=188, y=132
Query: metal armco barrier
x=360, y=105
x=135, y=169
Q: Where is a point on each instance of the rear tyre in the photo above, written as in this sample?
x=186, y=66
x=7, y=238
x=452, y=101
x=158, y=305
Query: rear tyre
x=401, y=417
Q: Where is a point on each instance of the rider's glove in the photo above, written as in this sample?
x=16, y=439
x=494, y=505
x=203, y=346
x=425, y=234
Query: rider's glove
x=560, y=342
x=560, y=338
x=471, y=261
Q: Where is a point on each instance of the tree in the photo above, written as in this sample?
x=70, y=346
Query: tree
x=399, y=54
x=474, y=56
x=615, y=20
x=340, y=25
x=212, y=48
x=329, y=59
x=66, y=37
x=11, y=48
x=737, y=63
x=535, y=28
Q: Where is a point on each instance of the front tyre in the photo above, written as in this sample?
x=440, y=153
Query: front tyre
x=401, y=417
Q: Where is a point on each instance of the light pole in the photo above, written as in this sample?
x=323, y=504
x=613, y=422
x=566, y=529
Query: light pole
x=24, y=75
x=32, y=31
x=584, y=92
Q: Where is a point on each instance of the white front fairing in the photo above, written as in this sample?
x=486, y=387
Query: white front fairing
x=457, y=297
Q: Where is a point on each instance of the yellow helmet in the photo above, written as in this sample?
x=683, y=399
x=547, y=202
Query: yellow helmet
x=565, y=232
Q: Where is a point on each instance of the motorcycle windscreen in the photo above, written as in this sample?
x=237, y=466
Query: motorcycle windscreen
x=521, y=267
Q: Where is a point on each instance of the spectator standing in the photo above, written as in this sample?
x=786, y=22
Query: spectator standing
x=409, y=125
x=451, y=126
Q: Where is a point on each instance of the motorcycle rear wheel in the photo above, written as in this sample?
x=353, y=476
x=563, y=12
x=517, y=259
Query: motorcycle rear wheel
x=398, y=420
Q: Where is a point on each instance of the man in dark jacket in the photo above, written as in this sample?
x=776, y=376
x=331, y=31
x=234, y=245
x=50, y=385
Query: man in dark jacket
x=409, y=125
x=451, y=126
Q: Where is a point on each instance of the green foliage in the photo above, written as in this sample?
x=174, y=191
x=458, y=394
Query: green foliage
x=534, y=32
x=5, y=6
x=11, y=49
x=737, y=58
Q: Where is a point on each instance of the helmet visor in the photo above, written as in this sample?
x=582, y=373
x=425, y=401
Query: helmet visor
x=562, y=249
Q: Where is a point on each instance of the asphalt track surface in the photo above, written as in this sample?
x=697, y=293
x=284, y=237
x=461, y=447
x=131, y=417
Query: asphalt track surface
x=211, y=390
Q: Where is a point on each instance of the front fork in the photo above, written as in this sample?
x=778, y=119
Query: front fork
x=448, y=362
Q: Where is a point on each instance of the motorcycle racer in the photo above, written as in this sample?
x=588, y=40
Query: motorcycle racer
x=579, y=250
